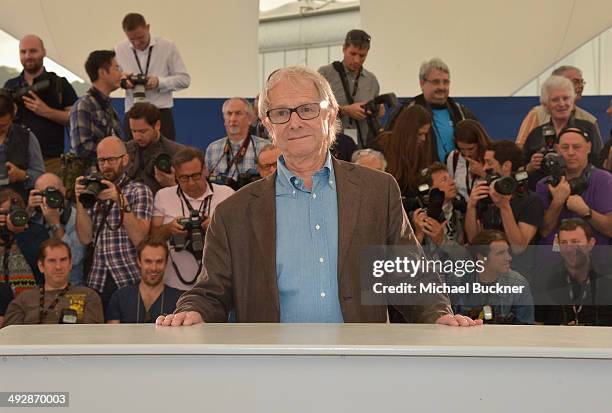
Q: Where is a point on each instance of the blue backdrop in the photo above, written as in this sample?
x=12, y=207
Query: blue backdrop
x=199, y=121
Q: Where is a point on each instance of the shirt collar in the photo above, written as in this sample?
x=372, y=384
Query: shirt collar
x=152, y=42
x=43, y=75
x=349, y=73
x=287, y=181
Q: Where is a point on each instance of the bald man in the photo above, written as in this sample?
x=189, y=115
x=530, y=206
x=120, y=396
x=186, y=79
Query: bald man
x=57, y=219
x=45, y=112
x=117, y=222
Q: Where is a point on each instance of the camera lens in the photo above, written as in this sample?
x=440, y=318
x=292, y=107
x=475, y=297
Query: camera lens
x=19, y=217
x=505, y=185
x=164, y=163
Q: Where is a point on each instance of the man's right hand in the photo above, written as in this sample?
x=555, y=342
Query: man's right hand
x=561, y=192
x=355, y=111
x=186, y=318
x=535, y=162
x=78, y=188
x=34, y=200
x=174, y=228
x=479, y=191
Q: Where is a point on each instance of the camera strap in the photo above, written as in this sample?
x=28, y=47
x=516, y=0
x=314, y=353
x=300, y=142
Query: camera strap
x=44, y=311
x=180, y=276
x=146, y=72
x=350, y=98
x=239, y=156
x=204, y=206
x=5, y=261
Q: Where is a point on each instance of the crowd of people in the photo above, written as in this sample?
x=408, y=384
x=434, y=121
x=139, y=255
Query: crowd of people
x=268, y=224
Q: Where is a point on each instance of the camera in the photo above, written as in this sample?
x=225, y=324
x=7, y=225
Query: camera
x=139, y=81
x=194, y=240
x=244, y=178
x=553, y=167
x=429, y=199
x=37, y=88
x=371, y=109
x=54, y=197
x=550, y=137
x=163, y=162
x=93, y=186
x=504, y=185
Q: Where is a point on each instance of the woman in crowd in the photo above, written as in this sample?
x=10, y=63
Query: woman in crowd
x=466, y=163
x=557, y=96
x=406, y=148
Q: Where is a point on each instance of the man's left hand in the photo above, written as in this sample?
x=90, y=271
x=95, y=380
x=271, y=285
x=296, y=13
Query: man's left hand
x=152, y=82
x=576, y=204
x=35, y=104
x=15, y=174
x=110, y=193
x=457, y=320
x=500, y=201
x=164, y=179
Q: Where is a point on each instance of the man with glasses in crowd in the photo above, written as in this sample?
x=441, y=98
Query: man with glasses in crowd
x=267, y=160
x=119, y=219
x=175, y=203
x=287, y=249
x=434, y=79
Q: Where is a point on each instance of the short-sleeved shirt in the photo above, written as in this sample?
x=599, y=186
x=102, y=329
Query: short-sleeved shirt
x=25, y=308
x=526, y=208
x=217, y=160
x=127, y=306
x=169, y=205
x=367, y=89
x=598, y=196
x=114, y=252
x=59, y=95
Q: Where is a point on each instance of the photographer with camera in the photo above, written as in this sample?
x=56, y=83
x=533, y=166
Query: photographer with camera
x=154, y=69
x=182, y=213
x=56, y=217
x=150, y=152
x=15, y=268
x=501, y=201
x=557, y=96
x=353, y=87
x=92, y=117
x=113, y=215
x=439, y=220
x=267, y=160
x=434, y=79
x=232, y=160
x=43, y=100
x=21, y=161
x=576, y=190
x=56, y=301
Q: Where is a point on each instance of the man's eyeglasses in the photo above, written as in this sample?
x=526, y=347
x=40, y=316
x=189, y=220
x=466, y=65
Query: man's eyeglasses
x=185, y=178
x=112, y=160
x=267, y=166
x=306, y=111
x=578, y=82
x=438, y=82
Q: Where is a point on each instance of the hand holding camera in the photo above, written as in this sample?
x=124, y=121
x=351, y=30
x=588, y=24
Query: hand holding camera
x=15, y=174
x=152, y=82
x=355, y=111
x=479, y=192
x=429, y=226
x=561, y=191
x=88, y=188
x=535, y=162
x=49, y=202
x=14, y=220
x=176, y=228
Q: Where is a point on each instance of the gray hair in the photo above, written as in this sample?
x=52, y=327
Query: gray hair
x=247, y=104
x=560, y=71
x=556, y=83
x=268, y=147
x=295, y=74
x=429, y=65
x=369, y=153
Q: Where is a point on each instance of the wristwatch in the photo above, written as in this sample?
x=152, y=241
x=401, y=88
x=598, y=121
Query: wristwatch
x=56, y=227
x=127, y=208
x=588, y=215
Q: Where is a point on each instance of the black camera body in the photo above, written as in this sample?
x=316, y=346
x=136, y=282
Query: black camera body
x=194, y=240
x=139, y=81
x=54, y=197
x=555, y=168
x=244, y=178
x=18, y=217
x=38, y=87
x=371, y=109
x=93, y=186
x=429, y=199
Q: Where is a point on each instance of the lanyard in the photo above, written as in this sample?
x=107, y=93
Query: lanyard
x=239, y=156
x=356, y=84
x=585, y=290
x=5, y=261
x=204, y=206
x=44, y=311
x=148, y=61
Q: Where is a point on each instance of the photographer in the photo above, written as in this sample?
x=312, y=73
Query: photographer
x=114, y=215
x=14, y=266
x=267, y=160
x=193, y=199
x=50, y=209
x=354, y=86
x=439, y=223
x=518, y=214
x=579, y=191
x=56, y=301
x=21, y=161
x=557, y=96
x=158, y=68
x=232, y=160
x=150, y=152
x=45, y=106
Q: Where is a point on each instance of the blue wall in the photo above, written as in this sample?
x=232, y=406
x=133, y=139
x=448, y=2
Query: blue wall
x=199, y=121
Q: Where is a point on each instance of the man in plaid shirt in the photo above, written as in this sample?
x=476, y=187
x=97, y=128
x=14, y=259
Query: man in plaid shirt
x=92, y=117
x=118, y=221
x=236, y=153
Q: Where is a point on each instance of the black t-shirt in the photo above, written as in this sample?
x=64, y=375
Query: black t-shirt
x=6, y=296
x=58, y=95
x=526, y=208
x=126, y=305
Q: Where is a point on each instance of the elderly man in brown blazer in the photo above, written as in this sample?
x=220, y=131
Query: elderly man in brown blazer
x=245, y=262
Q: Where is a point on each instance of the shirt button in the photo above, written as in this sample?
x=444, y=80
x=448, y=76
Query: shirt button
x=293, y=192
x=314, y=196
x=331, y=182
x=322, y=295
x=321, y=260
x=317, y=227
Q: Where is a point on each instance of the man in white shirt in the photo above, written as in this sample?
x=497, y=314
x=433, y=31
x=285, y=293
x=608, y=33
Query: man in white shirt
x=159, y=61
x=194, y=199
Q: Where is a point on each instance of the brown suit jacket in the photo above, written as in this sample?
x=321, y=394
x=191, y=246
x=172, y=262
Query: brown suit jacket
x=239, y=270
